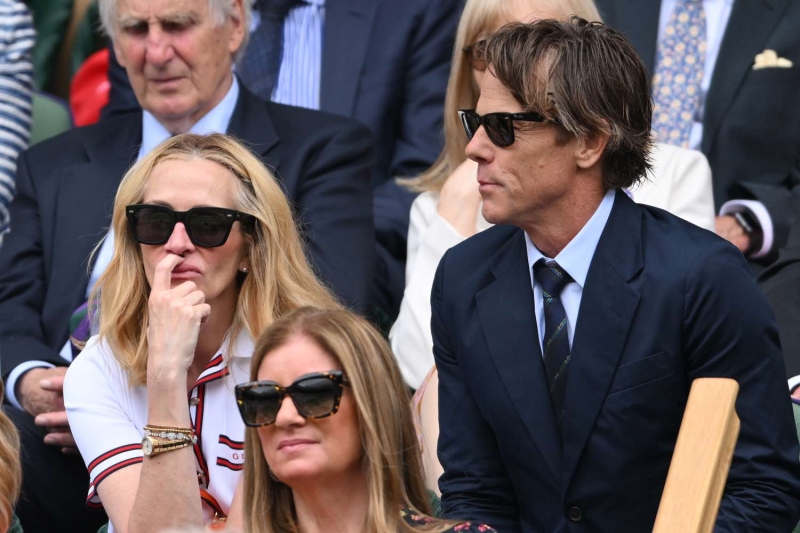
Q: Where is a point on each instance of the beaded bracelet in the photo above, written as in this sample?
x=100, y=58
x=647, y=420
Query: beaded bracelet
x=172, y=433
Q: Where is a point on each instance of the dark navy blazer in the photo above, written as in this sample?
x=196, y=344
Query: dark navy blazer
x=664, y=303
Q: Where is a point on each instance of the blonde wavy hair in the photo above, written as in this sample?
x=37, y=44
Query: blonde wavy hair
x=477, y=19
x=279, y=278
x=10, y=467
x=392, y=462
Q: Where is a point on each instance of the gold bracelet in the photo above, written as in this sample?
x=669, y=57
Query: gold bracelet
x=172, y=433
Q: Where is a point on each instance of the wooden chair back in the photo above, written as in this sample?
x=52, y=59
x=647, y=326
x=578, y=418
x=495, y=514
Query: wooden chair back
x=703, y=452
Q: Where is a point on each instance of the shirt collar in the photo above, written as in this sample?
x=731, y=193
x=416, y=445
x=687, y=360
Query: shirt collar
x=242, y=348
x=215, y=121
x=576, y=257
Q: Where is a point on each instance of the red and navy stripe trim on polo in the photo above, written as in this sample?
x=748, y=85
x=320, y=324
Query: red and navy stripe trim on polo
x=229, y=442
x=214, y=376
x=214, y=362
x=229, y=465
x=111, y=453
x=198, y=431
x=107, y=472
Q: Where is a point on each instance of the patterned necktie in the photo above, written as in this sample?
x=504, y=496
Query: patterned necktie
x=680, y=61
x=261, y=64
x=553, y=279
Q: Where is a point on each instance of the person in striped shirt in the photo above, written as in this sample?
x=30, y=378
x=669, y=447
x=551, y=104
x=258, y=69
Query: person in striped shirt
x=17, y=38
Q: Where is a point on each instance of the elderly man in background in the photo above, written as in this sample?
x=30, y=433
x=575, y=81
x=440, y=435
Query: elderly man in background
x=567, y=336
x=178, y=56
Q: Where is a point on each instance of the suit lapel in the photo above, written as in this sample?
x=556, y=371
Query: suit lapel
x=91, y=187
x=252, y=125
x=506, y=311
x=348, y=25
x=608, y=304
x=749, y=27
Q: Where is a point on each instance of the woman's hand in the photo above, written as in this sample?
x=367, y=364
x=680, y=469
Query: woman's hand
x=460, y=198
x=175, y=316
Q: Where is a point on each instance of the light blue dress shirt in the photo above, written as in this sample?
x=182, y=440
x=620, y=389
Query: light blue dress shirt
x=575, y=258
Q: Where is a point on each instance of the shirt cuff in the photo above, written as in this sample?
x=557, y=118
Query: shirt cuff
x=17, y=373
x=762, y=215
x=794, y=383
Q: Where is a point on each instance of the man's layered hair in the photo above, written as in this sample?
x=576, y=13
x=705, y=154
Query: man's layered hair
x=588, y=78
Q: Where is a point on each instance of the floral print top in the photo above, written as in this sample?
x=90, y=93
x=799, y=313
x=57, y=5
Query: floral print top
x=415, y=519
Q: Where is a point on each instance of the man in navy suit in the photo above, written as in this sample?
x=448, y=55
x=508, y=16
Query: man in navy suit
x=179, y=58
x=567, y=336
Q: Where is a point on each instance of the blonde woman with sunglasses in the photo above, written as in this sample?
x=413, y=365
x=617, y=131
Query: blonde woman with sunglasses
x=206, y=256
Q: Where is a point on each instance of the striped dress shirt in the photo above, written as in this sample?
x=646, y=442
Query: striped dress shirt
x=301, y=64
x=17, y=37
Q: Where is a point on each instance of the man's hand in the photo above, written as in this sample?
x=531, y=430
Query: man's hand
x=729, y=229
x=37, y=399
x=40, y=391
x=796, y=393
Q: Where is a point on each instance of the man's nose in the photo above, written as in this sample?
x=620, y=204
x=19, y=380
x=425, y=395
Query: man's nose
x=159, y=46
x=480, y=149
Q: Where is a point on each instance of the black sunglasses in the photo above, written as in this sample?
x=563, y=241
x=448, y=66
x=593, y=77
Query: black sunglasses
x=314, y=395
x=206, y=226
x=499, y=126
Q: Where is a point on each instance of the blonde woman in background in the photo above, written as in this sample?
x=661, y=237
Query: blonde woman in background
x=331, y=444
x=10, y=472
x=206, y=256
x=448, y=210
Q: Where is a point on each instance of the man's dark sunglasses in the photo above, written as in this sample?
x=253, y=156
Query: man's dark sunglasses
x=499, y=126
x=314, y=395
x=206, y=226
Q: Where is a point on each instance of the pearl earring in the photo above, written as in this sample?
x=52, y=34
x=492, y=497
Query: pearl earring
x=244, y=270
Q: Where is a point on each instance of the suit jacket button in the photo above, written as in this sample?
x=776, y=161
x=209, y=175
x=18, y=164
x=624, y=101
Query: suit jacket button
x=575, y=514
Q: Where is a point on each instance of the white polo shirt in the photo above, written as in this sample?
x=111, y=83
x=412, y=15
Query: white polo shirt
x=107, y=418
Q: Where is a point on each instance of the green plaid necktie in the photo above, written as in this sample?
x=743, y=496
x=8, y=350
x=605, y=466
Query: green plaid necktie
x=680, y=60
x=552, y=278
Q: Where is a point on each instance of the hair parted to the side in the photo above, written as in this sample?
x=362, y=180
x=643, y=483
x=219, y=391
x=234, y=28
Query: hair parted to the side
x=587, y=76
x=220, y=11
x=10, y=467
x=392, y=462
x=478, y=19
x=279, y=279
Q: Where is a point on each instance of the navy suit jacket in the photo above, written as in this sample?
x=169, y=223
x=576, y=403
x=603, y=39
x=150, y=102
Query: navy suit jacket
x=65, y=195
x=751, y=122
x=656, y=312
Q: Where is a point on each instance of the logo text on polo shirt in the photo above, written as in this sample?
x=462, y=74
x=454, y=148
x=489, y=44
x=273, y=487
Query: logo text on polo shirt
x=230, y=453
